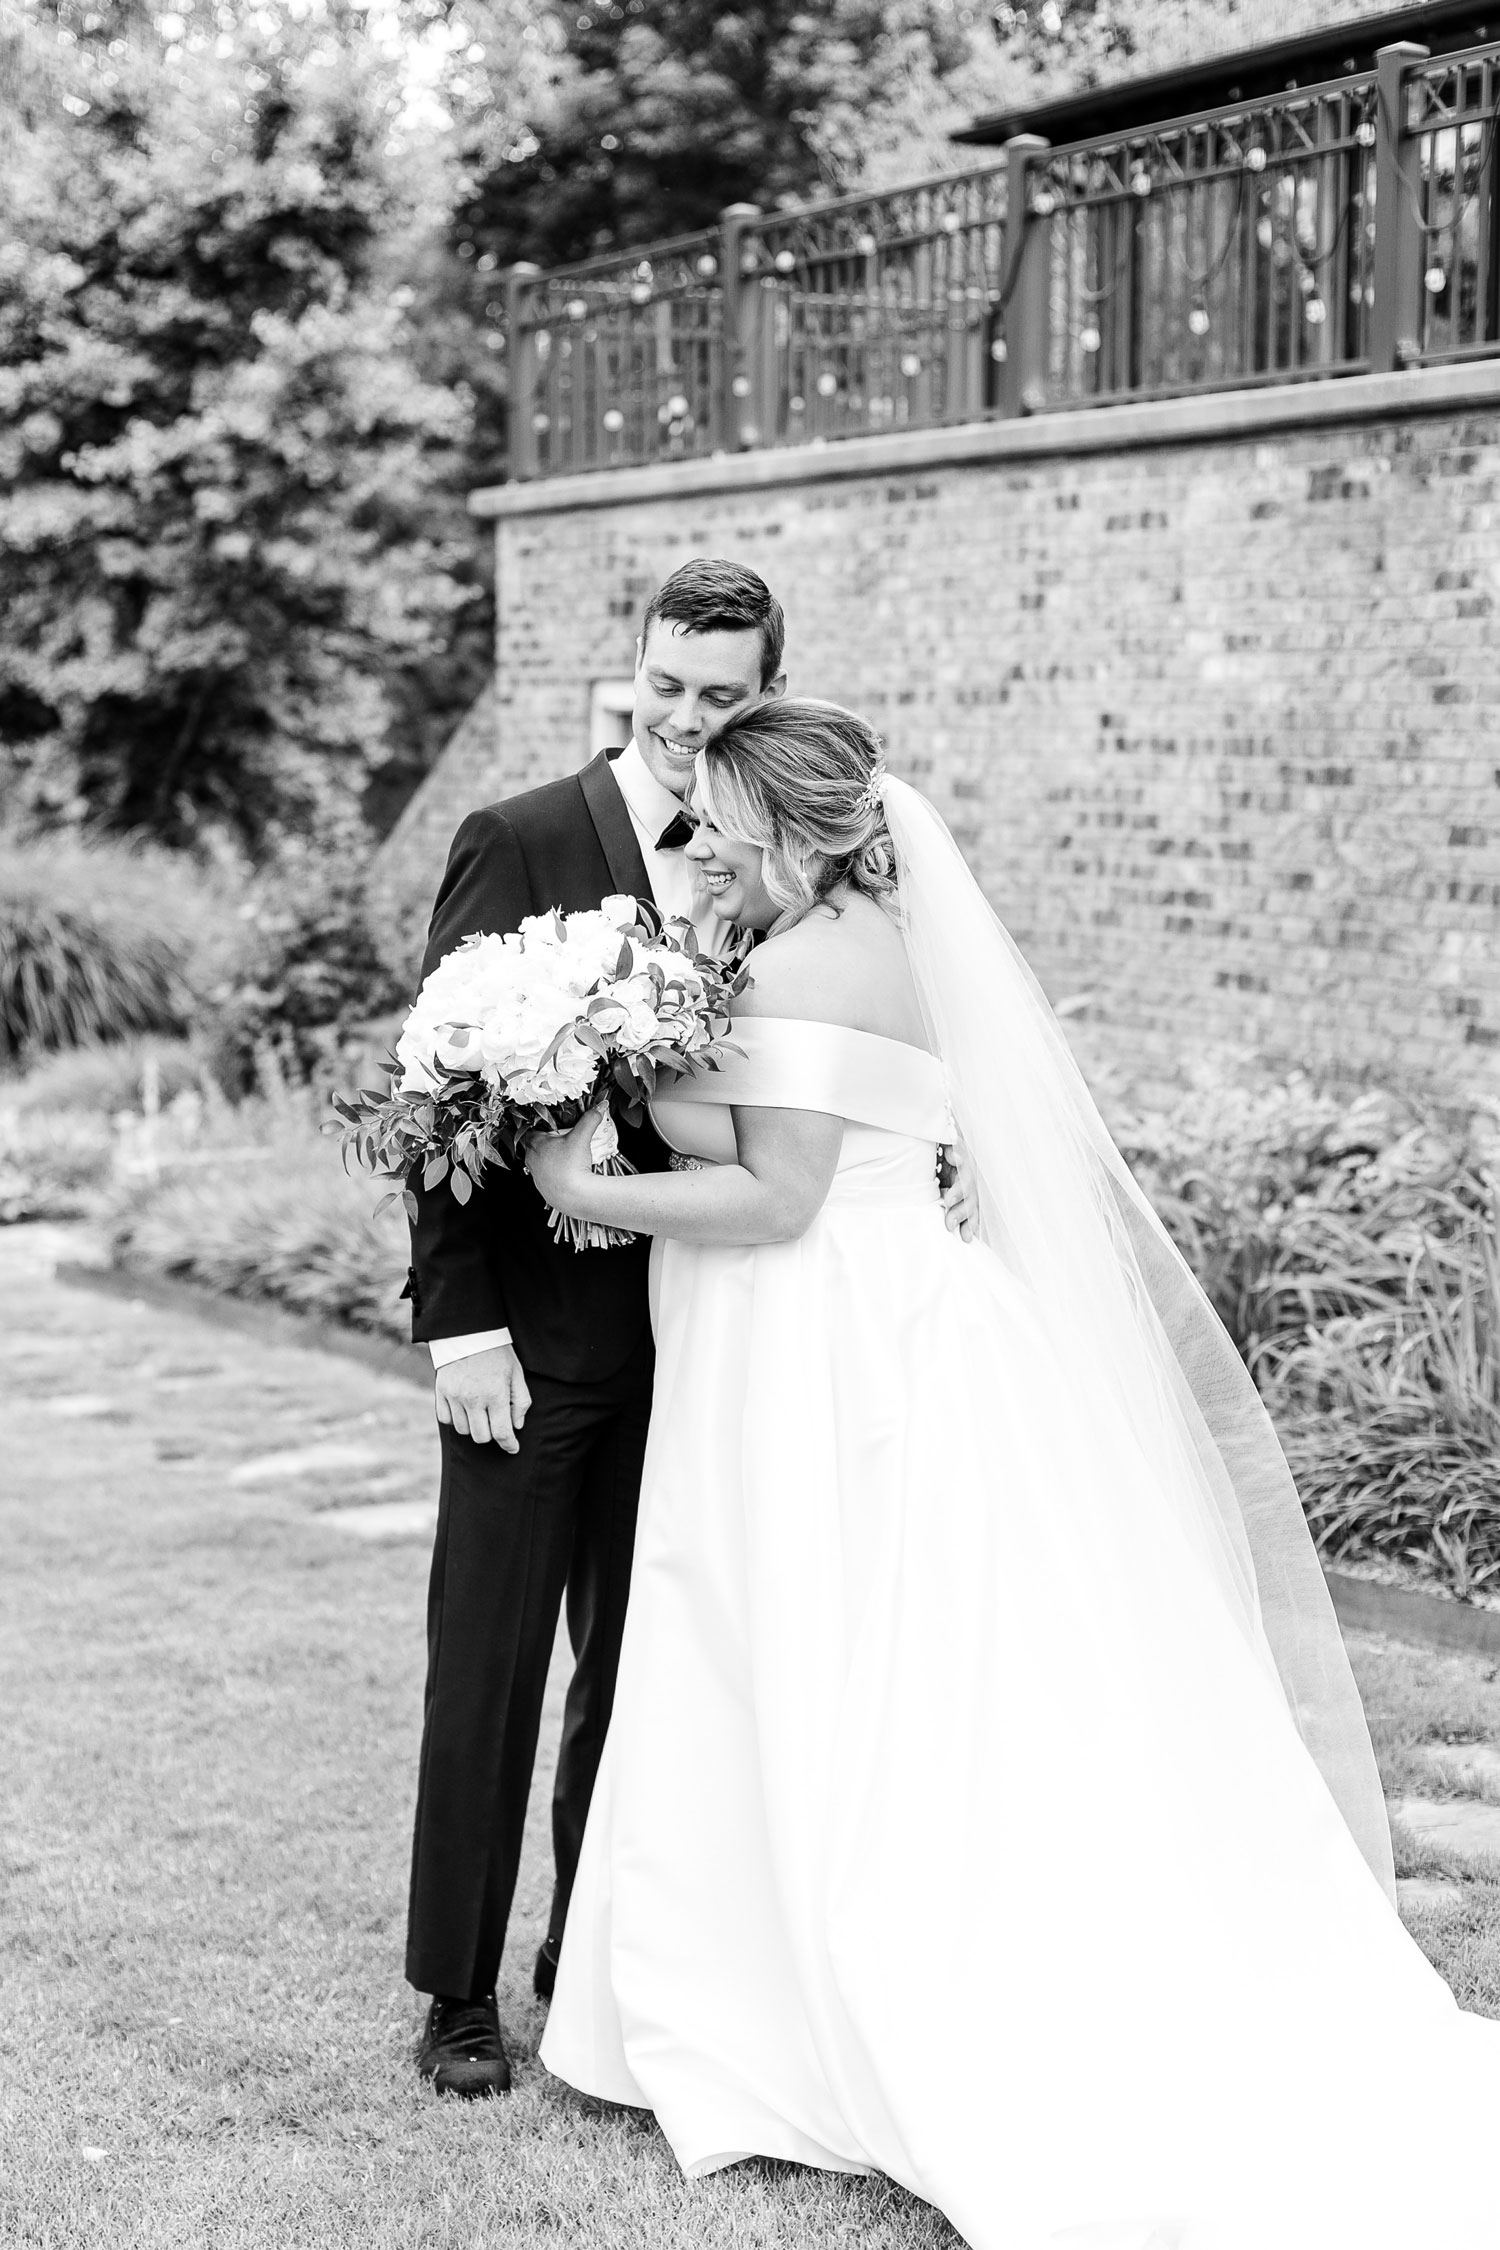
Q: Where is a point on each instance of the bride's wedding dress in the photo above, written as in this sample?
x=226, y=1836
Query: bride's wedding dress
x=954, y=1822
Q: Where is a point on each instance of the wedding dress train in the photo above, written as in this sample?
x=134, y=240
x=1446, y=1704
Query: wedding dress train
x=949, y=1825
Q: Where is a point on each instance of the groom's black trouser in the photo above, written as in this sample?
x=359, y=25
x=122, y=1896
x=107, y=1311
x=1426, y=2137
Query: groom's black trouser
x=513, y=1531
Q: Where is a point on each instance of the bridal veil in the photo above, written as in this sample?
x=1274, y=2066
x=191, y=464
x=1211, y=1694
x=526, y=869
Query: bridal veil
x=1059, y=1204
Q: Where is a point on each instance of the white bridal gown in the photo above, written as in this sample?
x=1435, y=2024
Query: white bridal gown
x=946, y=1828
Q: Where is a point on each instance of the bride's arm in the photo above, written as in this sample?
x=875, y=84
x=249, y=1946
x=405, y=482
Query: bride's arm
x=787, y=1159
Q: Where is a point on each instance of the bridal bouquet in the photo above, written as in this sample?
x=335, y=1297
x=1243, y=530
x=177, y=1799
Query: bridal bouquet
x=524, y=1033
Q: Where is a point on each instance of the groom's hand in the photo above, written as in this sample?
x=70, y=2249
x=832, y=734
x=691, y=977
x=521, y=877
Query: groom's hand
x=484, y=1397
x=960, y=1195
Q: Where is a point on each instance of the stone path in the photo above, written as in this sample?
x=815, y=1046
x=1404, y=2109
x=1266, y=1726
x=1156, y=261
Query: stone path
x=1459, y=1824
x=262, y=1440
x=296, y=1432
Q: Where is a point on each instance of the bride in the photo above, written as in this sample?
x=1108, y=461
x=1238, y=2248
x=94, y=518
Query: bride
x=987, y=1800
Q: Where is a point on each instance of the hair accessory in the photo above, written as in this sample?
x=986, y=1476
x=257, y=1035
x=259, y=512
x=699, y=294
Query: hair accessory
x=871, y=795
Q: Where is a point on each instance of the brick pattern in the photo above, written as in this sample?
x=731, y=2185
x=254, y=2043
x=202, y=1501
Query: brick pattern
x=1218, y=725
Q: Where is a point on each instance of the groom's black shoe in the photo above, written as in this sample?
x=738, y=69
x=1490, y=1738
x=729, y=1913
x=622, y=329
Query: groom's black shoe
x=462, y=2051
x=544, y=1975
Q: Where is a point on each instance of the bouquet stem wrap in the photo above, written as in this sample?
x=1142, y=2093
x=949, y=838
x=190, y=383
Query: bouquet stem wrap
x=587, y=1234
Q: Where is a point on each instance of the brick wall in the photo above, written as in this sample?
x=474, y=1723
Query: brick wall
x=1217, y=723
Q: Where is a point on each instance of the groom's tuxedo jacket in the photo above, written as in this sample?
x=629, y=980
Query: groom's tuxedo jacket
x=576, y=1315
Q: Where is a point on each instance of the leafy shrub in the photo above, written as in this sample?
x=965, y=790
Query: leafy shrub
x=308, y=978
x=67, y=1124
x=102, y=1079
x=1348, y=1239
x=97, y=942
x=52, y=1167
x=264, y=1209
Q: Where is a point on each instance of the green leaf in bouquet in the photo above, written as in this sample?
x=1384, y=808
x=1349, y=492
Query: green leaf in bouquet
x=626, y=956
x=410, y=1202
x=434, y=1171
x=625, y=1078
x=633, y=1112
x=588, y=1037
x=462, y=1186
x=386, y=1201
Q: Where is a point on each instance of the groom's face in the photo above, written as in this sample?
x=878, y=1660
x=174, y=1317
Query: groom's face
x=688, y=686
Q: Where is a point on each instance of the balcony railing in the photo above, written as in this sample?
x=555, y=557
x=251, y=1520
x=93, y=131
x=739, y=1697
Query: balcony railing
x=1331, y=230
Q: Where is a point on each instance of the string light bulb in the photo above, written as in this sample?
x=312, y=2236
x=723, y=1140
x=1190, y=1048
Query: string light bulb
x=1198, y=320
x=1255, y=159
x=1089, y=339
x=1435, y=280
x=1315, y=311
x=614, y=421
x=828, y=383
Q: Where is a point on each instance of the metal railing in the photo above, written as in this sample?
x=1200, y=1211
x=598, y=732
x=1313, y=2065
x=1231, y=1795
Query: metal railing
x=1329, y=230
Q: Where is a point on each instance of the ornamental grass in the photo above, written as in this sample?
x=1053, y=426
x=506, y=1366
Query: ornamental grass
x=98, y=941
x=1348, y=1239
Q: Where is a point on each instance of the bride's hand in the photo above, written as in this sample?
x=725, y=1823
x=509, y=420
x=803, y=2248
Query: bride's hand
x=562, y=1164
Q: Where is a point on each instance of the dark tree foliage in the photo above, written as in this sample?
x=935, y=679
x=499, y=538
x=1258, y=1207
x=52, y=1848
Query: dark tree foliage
x=234, y=563
x=667, y=110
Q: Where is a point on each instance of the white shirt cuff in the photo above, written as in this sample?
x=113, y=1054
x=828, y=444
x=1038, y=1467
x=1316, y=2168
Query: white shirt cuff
x=447, y=1348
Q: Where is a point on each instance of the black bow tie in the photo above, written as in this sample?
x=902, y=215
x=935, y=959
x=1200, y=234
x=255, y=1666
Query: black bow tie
x=680, y=830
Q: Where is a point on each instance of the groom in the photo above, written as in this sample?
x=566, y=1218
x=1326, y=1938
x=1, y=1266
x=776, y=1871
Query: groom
x=543, y=1354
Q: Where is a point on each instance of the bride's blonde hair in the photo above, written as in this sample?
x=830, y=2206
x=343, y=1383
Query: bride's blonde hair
x=802, y=780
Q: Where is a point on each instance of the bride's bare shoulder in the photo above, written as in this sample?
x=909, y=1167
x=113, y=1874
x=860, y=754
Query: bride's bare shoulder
x=848, y=968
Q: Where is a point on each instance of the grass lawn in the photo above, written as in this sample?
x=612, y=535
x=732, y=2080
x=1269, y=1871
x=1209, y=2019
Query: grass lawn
x=212, y=1702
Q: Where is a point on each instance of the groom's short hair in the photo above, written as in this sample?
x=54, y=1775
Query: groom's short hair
x=709, y=596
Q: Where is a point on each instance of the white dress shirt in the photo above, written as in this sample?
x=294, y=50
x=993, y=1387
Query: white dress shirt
x=651, y=806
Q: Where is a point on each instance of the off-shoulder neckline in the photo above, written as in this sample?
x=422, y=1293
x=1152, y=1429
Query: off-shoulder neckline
x=847, y=1030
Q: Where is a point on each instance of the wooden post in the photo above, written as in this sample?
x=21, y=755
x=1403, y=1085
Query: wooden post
x=1400, y=245
x=744, y=413
x=1027, y=272
x=521, y=337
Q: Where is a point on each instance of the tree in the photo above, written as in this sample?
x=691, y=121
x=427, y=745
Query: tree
x=231, y=520
x=663, y=111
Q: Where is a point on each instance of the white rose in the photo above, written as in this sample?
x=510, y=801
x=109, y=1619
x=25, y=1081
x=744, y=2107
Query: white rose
x=457, y=1047
x=572, y=1070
